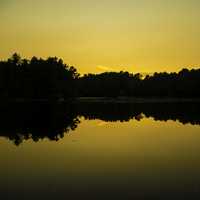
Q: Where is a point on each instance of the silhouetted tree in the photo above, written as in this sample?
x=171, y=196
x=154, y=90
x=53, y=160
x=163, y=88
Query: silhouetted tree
x=186, y=83
x=36, y=78
x=51, y=79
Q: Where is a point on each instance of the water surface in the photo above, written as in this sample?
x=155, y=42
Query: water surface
x=107, y=152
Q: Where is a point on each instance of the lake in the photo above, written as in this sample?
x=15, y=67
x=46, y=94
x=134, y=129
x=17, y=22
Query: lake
x=100, y=151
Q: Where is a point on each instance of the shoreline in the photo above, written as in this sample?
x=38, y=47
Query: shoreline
x=135, y=100
x=104, y=100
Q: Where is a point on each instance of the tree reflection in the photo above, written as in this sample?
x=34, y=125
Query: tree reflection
x=182, y=112
x=36, y=121
x=20, y=122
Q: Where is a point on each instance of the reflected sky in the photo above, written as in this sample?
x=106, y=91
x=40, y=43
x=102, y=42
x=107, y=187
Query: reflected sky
x=130, y=159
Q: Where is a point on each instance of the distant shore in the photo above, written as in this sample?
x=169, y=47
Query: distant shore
x=106, y=100
x=135, y=100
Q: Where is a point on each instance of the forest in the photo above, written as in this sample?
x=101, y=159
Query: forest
x=52, y=79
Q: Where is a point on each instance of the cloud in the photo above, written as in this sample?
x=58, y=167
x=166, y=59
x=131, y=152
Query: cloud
x=104, y=68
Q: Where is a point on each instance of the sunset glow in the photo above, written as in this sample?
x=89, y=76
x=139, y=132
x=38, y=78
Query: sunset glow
x=133, y=35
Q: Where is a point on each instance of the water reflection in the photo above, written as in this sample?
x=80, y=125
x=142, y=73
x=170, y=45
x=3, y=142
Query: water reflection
x=21, y=122
x=135, y=160
x=182, y=112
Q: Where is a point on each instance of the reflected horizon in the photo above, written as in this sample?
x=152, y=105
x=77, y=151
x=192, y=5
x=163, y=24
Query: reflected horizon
x=37, y=121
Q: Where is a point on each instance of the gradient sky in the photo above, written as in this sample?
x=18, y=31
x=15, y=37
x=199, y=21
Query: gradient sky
x=96, y=36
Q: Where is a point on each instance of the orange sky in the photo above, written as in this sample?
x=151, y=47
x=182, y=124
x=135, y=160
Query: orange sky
x=106, y=35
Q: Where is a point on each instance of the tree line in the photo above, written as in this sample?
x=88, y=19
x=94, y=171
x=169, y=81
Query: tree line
x=50, y=78
x=185, y=83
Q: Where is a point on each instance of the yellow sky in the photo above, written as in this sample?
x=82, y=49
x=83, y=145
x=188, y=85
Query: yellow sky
x=96, y=36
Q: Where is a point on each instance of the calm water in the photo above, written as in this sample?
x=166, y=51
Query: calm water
x=100, y=152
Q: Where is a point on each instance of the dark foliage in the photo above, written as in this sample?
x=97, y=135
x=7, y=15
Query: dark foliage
x=51, y=79
x=36, y=78
x=186, y=83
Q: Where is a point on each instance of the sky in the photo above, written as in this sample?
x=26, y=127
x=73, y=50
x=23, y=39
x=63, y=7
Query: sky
x=108, y=35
